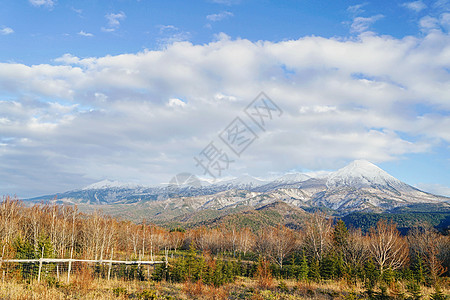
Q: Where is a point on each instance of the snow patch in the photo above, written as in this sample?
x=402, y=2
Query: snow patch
x=362, y=173
x=106, y=184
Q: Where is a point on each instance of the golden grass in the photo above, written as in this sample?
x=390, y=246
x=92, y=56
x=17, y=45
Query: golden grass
x=83, y=286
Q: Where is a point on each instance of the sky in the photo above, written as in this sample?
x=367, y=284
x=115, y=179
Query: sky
x=139, y=91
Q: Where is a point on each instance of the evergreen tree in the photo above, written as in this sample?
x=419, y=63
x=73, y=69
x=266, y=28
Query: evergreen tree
x=304, y=269
x=314, y=270
x=46, y=247
x=292, y=271
x=340, y=236
x=327, y=267
x=25, y=250
x=218, y=277
x=418, y=270
x=229, y=272
x=371, y=274
x=339, y=268
x=179, y=272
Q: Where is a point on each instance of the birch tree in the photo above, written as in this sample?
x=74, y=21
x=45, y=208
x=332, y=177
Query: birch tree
x=318, y=234
x=388, y=248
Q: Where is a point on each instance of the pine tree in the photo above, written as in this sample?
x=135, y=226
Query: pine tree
x=371, y=274
x=292, y=272
x=229, y=274
x=314, y=270
x=340, y=235
x=418, y=270
x=25, y=250
x=45, y=244
x=304, y=269
x=179, y=272
x=326, y=267
x=339, y=268
x=218, y=277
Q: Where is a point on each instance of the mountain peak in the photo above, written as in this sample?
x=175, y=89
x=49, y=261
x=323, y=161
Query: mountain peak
x=362, y=173
x=362, y=163
x=292, y=178
x=243, y=180
x=105, y=184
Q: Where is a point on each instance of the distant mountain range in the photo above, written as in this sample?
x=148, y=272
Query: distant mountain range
x=358, y=187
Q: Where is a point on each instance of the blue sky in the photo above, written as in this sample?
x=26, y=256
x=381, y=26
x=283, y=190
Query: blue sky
x=132, y=90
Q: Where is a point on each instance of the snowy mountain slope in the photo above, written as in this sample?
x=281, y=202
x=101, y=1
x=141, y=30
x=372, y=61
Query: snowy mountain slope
x=292, y=178
x=359, y=186
x=361, y=173
x=244, y=182
x=107, y=184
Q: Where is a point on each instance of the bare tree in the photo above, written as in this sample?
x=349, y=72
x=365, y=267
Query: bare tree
x=318, y=229
x=388, y=248
x=176, y=239
x=356, y=250
x=282, y=243
x=246, y=240
x=209, y=240
x=231, y=235
x=431, y=247
x=10, y=217
x=263, y=242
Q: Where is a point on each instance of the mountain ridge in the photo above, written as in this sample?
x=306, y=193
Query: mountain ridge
x=359, y=186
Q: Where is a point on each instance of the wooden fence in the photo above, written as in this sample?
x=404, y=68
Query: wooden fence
x=70, y=261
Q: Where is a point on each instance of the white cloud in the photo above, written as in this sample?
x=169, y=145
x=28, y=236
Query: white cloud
x=220, y=16
x=67, y=59
x=356, y=9
x=174, y=102
x=48, y=3
x=165, y=28
x=441, y=4
x=6, y=31
x=104, y=29
x=444, y=20
x=170, y=34
x=114, y=21
x=77, y=10
x=361, y=24
x=429, y=22
x=434, y=188
x=121, y=117
x=416, y=6
x=87, y=34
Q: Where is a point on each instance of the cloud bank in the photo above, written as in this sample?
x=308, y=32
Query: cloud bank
x=141, y=117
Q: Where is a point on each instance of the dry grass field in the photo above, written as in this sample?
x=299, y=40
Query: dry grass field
x=85, y=287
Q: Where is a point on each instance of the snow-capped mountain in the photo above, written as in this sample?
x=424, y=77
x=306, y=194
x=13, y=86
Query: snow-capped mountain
x=292, y=178
x=244, y=182
x=107, y=184
x=361, y=173
x=359, y=186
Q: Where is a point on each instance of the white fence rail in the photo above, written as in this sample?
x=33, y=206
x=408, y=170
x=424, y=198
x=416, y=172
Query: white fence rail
x=105, y=261
x=70, y=261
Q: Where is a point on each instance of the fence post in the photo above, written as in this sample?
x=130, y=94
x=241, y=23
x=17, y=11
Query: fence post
x=166, y=252
x=110, y=264
x=70, y=265
x=3, y=253
x=40, y=265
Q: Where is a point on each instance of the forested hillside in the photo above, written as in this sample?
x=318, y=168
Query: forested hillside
x=320, y=249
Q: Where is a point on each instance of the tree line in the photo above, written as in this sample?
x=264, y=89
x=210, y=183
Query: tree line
x=322, y=249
